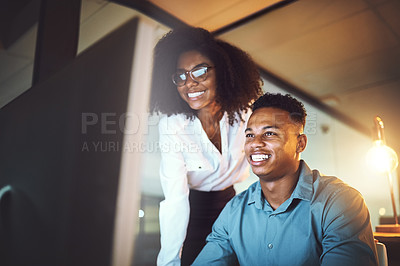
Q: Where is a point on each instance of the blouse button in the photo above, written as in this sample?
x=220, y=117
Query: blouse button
x=270, y=246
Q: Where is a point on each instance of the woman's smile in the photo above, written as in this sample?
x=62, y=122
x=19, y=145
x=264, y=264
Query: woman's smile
x=195, y=95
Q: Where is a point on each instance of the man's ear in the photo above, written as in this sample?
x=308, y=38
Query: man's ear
x=301, y=143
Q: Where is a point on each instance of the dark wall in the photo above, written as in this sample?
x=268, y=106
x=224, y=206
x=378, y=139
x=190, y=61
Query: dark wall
x=61, y=207
x=16, y=17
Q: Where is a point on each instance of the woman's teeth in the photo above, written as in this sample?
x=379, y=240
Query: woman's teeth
x=195, y=94
x=260, y=157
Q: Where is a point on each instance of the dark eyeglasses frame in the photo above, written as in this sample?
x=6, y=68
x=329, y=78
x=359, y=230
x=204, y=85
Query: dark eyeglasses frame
x=190, y=73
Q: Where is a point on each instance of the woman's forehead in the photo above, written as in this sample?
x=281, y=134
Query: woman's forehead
x=188, y=60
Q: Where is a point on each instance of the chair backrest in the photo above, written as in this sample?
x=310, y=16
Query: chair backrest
x=382, y=254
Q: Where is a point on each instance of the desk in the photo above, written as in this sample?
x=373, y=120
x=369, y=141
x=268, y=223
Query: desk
x=392, y=243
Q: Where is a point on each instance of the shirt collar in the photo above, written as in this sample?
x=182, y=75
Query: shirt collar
x=256, y=196
x=303, y=189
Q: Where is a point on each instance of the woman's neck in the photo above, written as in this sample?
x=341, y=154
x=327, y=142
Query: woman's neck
x=210, y=115
x=209, y=118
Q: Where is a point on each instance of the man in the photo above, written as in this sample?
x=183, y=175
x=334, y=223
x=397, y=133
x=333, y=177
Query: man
x=292, y=215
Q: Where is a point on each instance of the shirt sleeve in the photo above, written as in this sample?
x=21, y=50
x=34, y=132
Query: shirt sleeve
x=218, y=250
x=174, y=210
x=347, y=233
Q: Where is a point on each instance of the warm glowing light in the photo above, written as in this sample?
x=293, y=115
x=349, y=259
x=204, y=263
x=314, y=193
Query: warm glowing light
x=382, y=211
x=141, y=213
x=382, y=158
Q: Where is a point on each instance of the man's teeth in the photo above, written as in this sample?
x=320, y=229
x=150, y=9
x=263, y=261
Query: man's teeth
x=260, y=157
x=195, y=94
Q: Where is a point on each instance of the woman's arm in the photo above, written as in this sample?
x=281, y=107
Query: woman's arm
x=174, y=210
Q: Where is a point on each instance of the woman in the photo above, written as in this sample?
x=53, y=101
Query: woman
x=205, y=87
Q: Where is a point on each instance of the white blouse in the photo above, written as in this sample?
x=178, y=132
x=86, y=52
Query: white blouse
x=189, y=160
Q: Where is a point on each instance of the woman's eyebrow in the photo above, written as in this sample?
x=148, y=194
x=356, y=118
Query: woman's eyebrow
x=199, y=65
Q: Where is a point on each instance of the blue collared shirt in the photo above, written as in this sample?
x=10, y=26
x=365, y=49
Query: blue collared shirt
x=324, y=222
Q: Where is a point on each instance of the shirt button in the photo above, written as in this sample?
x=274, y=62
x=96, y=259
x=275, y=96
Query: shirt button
x=270, y=246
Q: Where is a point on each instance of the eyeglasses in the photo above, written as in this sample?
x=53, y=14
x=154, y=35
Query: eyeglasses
x=197, y=74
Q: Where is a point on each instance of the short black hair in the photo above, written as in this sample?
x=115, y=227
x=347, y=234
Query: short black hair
x=284, y=102
x=238, y=79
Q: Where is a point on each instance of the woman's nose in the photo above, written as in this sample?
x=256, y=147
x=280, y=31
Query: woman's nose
x=190, y=82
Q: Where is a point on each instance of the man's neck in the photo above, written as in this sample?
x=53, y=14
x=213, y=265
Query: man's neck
x=278, y=191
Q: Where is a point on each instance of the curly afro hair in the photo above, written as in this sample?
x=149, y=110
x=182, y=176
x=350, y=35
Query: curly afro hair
x=238, y=79
x=284, y=102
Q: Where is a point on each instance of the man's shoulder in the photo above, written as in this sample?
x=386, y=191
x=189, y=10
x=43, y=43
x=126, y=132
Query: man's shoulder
x=244, y=197
x=330, y=189
x=333, y=184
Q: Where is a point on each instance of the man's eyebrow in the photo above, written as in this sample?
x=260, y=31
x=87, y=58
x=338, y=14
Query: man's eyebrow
x=264, y=128
x=268, y=127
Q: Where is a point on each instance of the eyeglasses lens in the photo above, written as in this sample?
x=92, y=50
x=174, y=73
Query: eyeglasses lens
x=198, y=74
x=179, y=79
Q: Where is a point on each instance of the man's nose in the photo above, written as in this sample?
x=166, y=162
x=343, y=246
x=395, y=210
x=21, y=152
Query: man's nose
x=257, y=142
